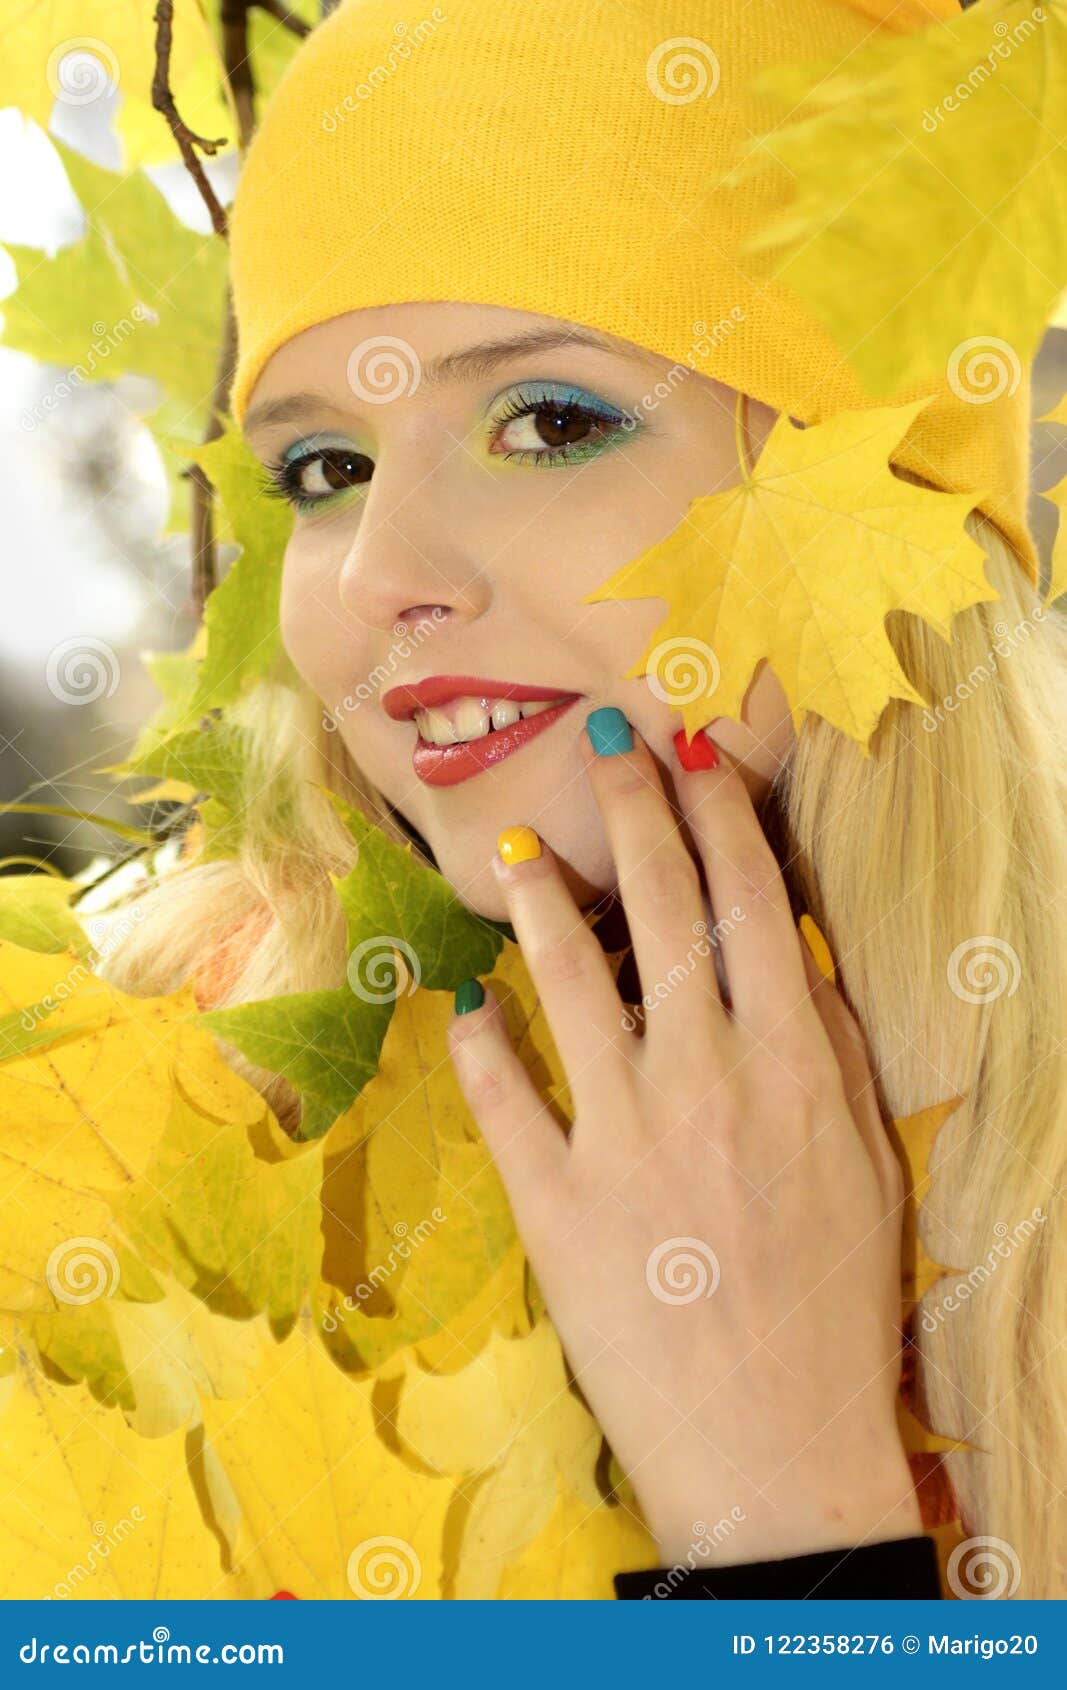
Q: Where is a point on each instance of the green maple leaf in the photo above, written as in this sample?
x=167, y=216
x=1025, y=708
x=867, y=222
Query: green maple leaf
x=134, y=251
x=212, y=758
x=241, y=614
x=138, y=293
x=231, y=1207
x=35, y=913
x=328, y=1043
x=115, y=46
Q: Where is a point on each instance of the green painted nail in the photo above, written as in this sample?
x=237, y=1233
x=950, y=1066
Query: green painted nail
x=470, y=994
x=609, y=731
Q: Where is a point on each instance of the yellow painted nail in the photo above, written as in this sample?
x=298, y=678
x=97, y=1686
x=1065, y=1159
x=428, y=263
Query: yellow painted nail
x=518, y=844
x=818, y=947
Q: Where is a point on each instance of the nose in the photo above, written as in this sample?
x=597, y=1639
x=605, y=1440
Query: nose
x=411, y=557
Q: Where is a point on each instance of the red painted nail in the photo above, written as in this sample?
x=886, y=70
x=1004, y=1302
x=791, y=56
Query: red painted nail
x=278, y=1594
x=696, y=753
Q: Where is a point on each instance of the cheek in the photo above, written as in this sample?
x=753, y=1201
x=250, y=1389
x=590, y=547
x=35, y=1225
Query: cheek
x=305, y=619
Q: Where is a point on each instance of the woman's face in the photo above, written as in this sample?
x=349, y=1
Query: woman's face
x=457, y=498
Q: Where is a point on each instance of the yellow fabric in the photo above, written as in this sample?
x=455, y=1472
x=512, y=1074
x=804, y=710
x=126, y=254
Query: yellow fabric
x=539, y=157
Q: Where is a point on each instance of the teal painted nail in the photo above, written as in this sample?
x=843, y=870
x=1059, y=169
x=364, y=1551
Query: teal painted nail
x=609, y=731
x=470, y=994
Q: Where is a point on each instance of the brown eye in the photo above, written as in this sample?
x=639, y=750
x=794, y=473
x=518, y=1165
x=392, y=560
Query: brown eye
x=330, y=472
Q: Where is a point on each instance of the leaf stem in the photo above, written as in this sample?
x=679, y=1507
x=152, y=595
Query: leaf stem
x=740, y=418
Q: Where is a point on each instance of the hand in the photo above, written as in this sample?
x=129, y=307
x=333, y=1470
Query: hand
x=718, y=1237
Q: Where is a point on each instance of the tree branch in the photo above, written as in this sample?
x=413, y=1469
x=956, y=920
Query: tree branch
x=284, y=16
x=163, y=101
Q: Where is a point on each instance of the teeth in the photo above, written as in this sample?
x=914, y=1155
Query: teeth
x=437, y=727
x=472, y=719
x=465, y=719
x=504, y=712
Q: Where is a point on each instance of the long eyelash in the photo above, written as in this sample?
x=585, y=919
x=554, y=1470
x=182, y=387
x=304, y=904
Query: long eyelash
x=272, y=482
x=569, y=408
x=276, y=479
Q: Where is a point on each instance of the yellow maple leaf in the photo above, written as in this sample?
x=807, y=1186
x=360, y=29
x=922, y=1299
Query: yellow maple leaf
x=524, y=1448
x=1058, y=496
x=927, y=194
x=327, y=1505
x=799, y=565
x=420, y=1245
x=914, y=1135
x=91, y=1509
x=62, y=1169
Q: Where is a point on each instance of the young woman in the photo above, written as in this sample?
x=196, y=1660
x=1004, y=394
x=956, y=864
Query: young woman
x=515, y=217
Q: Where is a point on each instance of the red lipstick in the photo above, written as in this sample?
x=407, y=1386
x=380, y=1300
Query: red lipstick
x=447, y=765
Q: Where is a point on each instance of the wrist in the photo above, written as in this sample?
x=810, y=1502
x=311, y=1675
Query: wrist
x=759, y=1531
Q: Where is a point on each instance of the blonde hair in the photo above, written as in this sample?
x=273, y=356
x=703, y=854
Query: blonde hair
x=947, y=845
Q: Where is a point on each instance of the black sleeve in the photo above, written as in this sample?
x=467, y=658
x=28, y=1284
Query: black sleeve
x=903, y=1567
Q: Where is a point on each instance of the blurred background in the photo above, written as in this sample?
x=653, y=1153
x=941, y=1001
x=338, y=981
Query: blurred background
x=91, y=577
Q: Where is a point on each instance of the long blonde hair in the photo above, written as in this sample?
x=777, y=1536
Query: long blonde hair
x=943, y=852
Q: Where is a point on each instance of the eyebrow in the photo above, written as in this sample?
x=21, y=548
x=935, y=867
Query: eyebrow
x=472, y=363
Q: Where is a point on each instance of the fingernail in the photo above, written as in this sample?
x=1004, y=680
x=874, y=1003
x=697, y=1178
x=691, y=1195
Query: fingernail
x=696, y=753
x=818, y=947
x=609, y=731
x=518, y=845
x=470, y=994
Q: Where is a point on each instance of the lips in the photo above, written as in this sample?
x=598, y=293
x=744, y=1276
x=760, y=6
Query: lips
x=447, y=765
x=401, y=703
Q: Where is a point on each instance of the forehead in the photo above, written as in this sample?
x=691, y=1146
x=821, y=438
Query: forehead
x=423, y=345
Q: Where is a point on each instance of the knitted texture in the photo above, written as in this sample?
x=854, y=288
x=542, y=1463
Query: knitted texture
x=552, y=158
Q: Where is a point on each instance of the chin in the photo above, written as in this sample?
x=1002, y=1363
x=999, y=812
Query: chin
x=588, y=873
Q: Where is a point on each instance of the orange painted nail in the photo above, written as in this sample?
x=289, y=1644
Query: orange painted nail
x=518, y=845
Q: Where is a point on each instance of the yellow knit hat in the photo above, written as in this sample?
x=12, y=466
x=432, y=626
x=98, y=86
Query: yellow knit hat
x=563, y=158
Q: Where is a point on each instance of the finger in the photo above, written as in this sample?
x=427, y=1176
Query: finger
x=850, y=1049
x=659, y=882
x=754, y=923
x=567, y=965
x=524, y=1138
